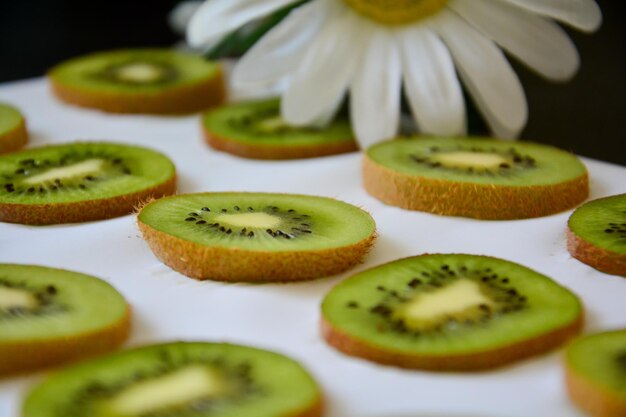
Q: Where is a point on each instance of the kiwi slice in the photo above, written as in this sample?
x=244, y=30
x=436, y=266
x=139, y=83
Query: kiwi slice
x=159, y=81
x=80, y=182
x=256, y=236
x=475, y=177
x=51, y=316
x=596, y=234
x=449, y=312
x=595, y=373
x=13, y=133
x=180, y=379
x=256, y=130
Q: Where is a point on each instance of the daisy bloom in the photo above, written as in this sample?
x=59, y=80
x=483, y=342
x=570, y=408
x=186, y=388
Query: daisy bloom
x=374, y=49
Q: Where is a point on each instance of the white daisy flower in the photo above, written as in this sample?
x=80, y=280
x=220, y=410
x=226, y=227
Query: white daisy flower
x=371, y=48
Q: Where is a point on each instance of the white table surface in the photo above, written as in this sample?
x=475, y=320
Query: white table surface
x=284, y=317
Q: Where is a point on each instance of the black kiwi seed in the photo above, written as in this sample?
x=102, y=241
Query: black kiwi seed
x=414, y=283
x=201, y=222
x=205, y=209
x=190, y=219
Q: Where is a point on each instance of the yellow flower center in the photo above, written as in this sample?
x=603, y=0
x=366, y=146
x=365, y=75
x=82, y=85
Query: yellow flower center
x=396, y=12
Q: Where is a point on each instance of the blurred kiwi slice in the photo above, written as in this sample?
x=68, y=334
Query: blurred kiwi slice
x=256, y=236
x=449, y=312
x=180, y=379
x=256, y=130
x=51, y=316
x=79, y=182
x=13, y=133
x=595, y=373
x=596, y=234
x=475, y=177
x=158, y=81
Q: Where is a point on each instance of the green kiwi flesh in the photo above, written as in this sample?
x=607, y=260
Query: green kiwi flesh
x=443, y=306
x=595, y=373
x=599, y=234
x=133, y=71
x=49, y=316
x=602, y=358
x=179, y=379
x=87, y=172
x=259, y=221
x=10, y=119
x=255, y=129
x=43, y=303
x=478, y=160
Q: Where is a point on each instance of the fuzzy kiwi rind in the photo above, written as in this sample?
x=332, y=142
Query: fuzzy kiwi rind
x=189, y=84
x=254, y=382
x=596, y=234
x=238, y=129
x=536, y=180
x=129, y=175
x=65, y=316
x=595, y=373
x=13, y=134
x=533, y=314
x=315, y=236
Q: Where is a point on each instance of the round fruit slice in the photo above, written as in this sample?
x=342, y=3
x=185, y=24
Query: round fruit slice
x=256, y=130
x=596, y=234
x=159, y=81
x=80, y=182
x=473, y=177
x=256, y=236
x=449, y=312
x=180, y=379
x=595, y=370
x=12, y=129
x=51, y=316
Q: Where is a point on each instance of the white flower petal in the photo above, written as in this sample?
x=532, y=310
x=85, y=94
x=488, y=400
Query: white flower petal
x=325, y=73
x=180, y=16
x=215, y=18
x=432, y=87
x=375, y=91
x=536, y=41
x=281, y=50
x=486, y=74
x=581, y=14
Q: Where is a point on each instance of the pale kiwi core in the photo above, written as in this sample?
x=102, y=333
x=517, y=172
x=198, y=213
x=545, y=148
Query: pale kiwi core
x=169, y=390
x=16, y=298
x=396, y=12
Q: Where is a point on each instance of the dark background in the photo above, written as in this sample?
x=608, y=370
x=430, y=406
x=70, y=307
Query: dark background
x=586, y=115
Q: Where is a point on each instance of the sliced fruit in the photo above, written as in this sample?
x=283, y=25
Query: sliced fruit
x=180, y=379
x=80, y=182
x=256, y=130
x=256, y=236
x=596, y=234
x=159, y=81
x=52, y=316
x=13, y=133
x=449, y=312
x=473, y=177
x=595, y=372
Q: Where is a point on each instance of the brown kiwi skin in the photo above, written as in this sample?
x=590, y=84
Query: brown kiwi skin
x=483, y=360
x=216, y=263
x=601, y=259
x=14, y=139
x=20, y=357
x=83, y=211
x=479, y=201
x=592, y=398
x=275, y=152
x=178, y=100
